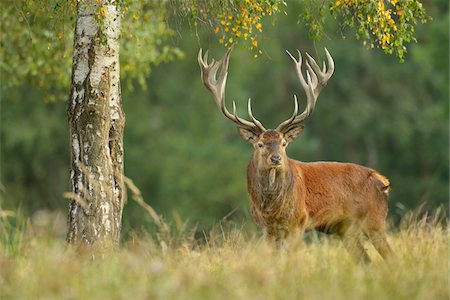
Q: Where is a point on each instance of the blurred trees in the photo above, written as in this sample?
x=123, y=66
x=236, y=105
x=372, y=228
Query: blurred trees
x=376, y=111
x=188, y=160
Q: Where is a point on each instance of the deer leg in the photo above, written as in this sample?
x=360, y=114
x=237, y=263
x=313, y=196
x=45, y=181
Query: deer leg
x=380, y=243
x=356, y=249
x=351, y=238
x=277, y=234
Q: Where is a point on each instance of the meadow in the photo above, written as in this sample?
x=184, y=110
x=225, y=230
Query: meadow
x=229, y=262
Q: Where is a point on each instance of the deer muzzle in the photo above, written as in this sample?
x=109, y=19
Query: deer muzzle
x=275, y=160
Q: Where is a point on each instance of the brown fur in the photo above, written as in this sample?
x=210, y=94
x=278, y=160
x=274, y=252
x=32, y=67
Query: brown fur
x=342, y=198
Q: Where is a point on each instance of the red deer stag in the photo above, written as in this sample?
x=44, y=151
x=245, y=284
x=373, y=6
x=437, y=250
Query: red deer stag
x=289, y=196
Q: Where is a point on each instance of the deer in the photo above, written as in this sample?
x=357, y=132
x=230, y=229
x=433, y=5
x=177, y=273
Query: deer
x=288, y=196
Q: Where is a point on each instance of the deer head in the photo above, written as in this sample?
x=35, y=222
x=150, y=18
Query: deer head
x=269, y=144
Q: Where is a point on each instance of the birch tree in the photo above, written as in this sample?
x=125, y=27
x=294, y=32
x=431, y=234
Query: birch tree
x=96, y=123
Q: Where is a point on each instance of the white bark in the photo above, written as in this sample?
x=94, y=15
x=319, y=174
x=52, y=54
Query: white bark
x=96, y=121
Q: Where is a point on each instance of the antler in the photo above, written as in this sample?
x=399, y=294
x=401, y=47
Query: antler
x=316, y=80
x=217, y=87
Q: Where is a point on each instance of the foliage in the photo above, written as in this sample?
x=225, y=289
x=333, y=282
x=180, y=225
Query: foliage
x=386, y=24
x=236, y=20
x=145, y=40
x=37, y=38
x=36, y=45
x=43, y=31
x=228, y=262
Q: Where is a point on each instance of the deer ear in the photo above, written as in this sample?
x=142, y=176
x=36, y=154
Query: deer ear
x=293, y=133
x=247, y=134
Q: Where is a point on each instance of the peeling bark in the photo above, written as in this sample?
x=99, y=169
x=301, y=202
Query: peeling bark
x=96, y=123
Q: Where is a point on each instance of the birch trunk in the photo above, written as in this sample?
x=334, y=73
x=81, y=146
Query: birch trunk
x=96, y=122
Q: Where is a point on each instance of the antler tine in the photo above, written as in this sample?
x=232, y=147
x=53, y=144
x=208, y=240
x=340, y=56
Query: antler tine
x=298, y=67
x=322, y=75
x=311, y=72
x=244, y=123
x=316, y=79
x=288, y=121
x=217, y=85
x=254, y=120
x=330, y=63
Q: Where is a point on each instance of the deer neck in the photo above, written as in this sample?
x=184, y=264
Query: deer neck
x=269, y=186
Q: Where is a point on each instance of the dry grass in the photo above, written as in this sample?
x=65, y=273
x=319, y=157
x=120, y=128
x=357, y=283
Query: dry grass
x=230, y=264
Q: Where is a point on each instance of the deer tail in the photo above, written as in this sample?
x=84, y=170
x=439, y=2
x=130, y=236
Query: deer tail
x=382, y=183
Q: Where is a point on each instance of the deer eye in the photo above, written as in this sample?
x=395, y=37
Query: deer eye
x=260, y=145
x=284, y=144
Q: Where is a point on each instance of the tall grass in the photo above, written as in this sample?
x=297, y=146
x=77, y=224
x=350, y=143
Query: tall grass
x=230, y=262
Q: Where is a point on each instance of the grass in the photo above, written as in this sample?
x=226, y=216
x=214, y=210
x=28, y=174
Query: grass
x=230, y=263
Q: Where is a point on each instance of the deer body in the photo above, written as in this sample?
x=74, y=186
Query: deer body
x=289, y=196
x=344, y=192
x=325, y=203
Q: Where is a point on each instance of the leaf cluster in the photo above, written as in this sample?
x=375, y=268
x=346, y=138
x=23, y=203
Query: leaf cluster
x=234, y=21
x=36, y=44
x=385, y=24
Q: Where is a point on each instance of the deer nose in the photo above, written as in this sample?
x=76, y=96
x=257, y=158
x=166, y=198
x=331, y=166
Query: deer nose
x=275, y=159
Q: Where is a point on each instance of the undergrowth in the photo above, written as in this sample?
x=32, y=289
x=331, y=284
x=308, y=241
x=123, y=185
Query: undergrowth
x=229, y=262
